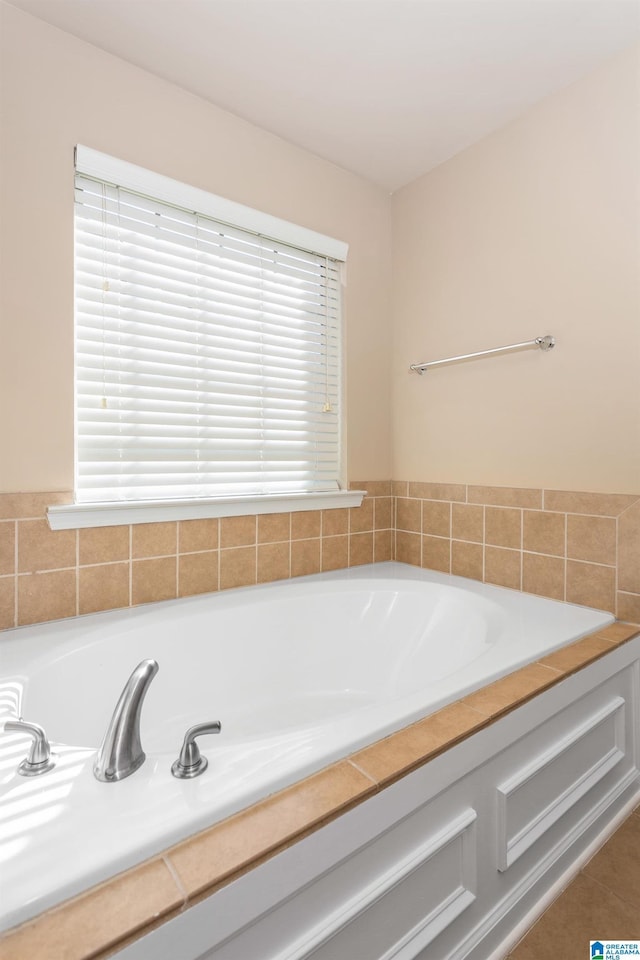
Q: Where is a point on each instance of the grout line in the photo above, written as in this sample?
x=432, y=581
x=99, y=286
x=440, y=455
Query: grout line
x=363, y=772
x=77, y=545
x=615, y=598
x=566, y=553
x=615, y=892
x=15, y=568
x=130, y=565
x=521, y=548
x=176, y=878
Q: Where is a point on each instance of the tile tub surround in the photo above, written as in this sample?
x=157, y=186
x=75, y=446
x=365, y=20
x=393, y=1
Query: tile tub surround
x=49, y=575
x=580, y=547
x=112, y=914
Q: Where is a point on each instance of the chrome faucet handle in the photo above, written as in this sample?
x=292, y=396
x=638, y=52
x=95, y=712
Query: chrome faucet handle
x=39, y=758
x=191, y=763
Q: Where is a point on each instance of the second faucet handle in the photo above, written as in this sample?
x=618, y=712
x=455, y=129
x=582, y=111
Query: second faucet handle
x=191, y=763
x=39, y=759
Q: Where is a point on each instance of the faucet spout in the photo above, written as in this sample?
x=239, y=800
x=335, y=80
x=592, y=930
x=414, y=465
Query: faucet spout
x=121, y=752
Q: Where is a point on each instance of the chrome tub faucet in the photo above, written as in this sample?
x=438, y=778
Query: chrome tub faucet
x=121, y=752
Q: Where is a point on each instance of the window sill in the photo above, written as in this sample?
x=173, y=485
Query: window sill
x=72, y=516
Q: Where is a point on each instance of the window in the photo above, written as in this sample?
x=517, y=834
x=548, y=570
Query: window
x=208, y=355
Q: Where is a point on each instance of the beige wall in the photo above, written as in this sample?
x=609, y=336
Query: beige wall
x=58, y=91
x=534, y=230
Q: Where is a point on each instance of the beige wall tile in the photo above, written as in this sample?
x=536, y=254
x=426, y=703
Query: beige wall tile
x=360, y=549
x=596, y=504
x=509, y=691
x=153, y=580
x=40, y=548
x=436, y=518
x=46, y=596
x=617, y=632
x=361, y=518
x=305, y=525
x=466, y=559
x=406, y=750
x=228, y=847
x=335, y=553
x=382, y=545
x=103, y=544
x=91, y=923
x=197, y=535
x=305, y=557
x=436, y=554
x=408, y=514
x=408, y=547
x=104, y=587
x=7, y=547
x=273, y=561
x=20, y=506
x=577, y=654
x=238, y=531
x=591, y=538
x=399, y=488
x=382, y=513
x=629, y=550
x=335, y=522
x=543, y=576
x=154, y=540
x=628, y=607
x=439, y=491
x=505, y=496
x=467, y=522
x=544, y=532
x=503, y=527
x=197, y=573
x=275, y=527
x=237, y=567
x=374, y=488
x=591, y=585
x=7, y=602
x=503, y=567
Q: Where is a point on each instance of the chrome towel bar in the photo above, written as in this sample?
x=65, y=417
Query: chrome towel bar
x=545, y=343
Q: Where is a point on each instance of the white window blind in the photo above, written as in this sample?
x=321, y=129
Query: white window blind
x=207, y=357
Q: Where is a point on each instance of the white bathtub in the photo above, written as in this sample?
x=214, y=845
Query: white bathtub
x=299, y=674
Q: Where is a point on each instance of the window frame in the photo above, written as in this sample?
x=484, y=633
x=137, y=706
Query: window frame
x=92, y=163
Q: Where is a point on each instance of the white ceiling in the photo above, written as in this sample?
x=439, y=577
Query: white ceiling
x=385, y=88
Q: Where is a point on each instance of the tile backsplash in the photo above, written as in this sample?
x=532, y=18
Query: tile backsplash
x=48, y=575
x=580, y=547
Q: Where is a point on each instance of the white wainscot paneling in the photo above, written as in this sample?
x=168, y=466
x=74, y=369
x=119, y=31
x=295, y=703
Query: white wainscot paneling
x=411, y=874
x=405, y=904
x=540, y=792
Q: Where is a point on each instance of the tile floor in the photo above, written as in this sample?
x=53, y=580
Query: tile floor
x=602, y=902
